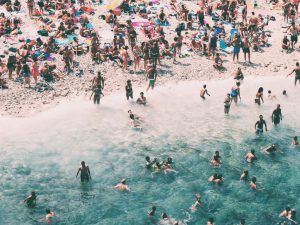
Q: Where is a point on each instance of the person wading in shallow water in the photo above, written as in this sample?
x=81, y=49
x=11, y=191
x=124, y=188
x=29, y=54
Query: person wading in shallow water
x=259, y=125
x=276, y=115
x=85, y=174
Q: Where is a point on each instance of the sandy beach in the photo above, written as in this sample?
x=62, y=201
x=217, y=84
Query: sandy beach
x=18, y=101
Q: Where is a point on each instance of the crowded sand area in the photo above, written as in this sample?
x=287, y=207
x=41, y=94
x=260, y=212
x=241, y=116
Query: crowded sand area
x=20, y=101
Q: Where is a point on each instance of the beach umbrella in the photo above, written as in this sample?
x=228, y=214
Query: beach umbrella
x=112, y=4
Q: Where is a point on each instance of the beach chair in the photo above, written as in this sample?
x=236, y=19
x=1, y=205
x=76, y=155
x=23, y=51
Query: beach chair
x=223, y=47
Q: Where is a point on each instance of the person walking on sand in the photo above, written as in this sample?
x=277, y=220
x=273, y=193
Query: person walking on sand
x=30, y=5
x=297, y=73
x=276, y=115
x=203, y=92
x=35, y=71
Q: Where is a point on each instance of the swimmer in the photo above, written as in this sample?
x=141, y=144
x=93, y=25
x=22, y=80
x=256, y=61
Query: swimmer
x=170, y=161
x=270, y=96
x=152, y=211
x=285, y=212
x=167, y=168
x=31, y=199
x=253, y=183
x=284, y=93
x=245, y=175
x=149, y=163
x=135, y=120
x=210, y=221
x=216, y=178
x=49, y=216
x=270, y=149
x=85, y=174
x=276, y=115
x=203, y=92
x=216, y=159
x=122, y=186
x=250, y=157
x=295, y=141
x=142, y=99
x=259, y=125
x=165, y=218
x=197, y=202
x=243, y=222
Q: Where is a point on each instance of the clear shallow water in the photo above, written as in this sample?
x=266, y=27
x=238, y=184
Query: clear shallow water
x=43, y=154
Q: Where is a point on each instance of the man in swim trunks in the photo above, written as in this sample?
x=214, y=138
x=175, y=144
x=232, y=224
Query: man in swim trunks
x=297, y=73
x=85, y=173
x=276, y=115
x=236, y=43
x=203, y=92
x=97, y=94
x=259, y=125
x=246, y=48
x=128, y=89
x=151, y=75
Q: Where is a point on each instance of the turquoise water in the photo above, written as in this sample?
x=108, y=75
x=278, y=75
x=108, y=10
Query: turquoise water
x=43, y=154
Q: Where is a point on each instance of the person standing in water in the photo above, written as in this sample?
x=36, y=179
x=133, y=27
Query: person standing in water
x=297, y=73
x=31, y=200
x=203, y=92
x=227, y=104
x=295, y=141
x=128, y=89
x=151, y=75
x=85, y=173
x=97, y=92
x=276, y=115
x=259, y=125
x=210, y=221
x=98, y=81
x=259, y=96
x=151, y=213
x=236, y=92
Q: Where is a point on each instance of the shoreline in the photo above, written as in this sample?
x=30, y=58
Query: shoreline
x=73, y=97
x=18, y=101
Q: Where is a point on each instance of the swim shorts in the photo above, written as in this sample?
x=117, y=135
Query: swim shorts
x=151, y=82
x=246, y=50
x=236, y=50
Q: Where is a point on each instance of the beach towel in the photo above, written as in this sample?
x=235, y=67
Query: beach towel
x=223, y=47
x=165, y=24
